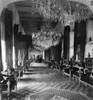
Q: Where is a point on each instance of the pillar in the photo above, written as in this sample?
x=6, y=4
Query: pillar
x=43, y=54
x=47, y=54
x=66, y=42
x=19, y=56
x=3, y=43
x=71, y=47
x=8, y=36
x=82, y=52
x=13, y=50
x=75, y=38
x=0, y=48
x=15, y=22
x=16, y=43
x=62, y=48
x=80, y=40
x=0, y=60
x=52, y=52
x=83, y=40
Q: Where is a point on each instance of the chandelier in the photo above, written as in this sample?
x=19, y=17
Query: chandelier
x=57, y=11
x=62, y=10
x=46, y=38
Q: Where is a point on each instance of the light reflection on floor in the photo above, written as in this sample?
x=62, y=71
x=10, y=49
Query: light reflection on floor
x=39, y=80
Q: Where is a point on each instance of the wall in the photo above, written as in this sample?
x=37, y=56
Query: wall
x=54, y=52
x=47, y=54
x=89, y=42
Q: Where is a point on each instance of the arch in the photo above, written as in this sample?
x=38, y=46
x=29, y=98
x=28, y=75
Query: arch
x=4, y=3
x=86, y=2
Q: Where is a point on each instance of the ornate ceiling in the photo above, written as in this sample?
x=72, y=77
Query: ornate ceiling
x=4, y=3
x=34, y=13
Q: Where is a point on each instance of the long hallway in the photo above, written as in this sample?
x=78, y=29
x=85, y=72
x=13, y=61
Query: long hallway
x=56, y=32
x=43, y=83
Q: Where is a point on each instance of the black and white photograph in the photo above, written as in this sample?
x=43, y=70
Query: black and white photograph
x=46, y=49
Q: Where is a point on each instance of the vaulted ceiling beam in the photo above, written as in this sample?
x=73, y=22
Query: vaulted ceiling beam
x=25, y=14
x=22, y=9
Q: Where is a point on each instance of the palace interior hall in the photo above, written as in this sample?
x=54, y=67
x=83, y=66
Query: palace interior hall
x=46, y=49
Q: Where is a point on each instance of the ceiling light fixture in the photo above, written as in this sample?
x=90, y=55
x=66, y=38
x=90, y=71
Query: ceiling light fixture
x=62, y=10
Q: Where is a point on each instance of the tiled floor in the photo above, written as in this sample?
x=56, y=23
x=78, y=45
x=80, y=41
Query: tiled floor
x=42, y=83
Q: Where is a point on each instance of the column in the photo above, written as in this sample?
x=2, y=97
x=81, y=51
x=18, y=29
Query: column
x=19, y=56
x=0, y=61
x=0, y=49
x=83, y=40
x=13, y=49
x=62, y=47
x=15, y=21
x=3, y=44
x=16, y=43
x=75, y=39
x=43, y=54
x=82, y=51
x=71, y=47
x=52, y=52
x=66, y=42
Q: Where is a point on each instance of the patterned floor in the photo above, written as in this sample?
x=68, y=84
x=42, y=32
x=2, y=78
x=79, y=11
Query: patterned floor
x=49, y=94
x=42, y=83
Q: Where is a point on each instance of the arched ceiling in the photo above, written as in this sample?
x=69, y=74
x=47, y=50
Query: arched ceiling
x=32, y=22
x=4, y=3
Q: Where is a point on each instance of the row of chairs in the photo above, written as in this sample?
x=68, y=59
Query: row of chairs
x=75, y=72
x=9, y=80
